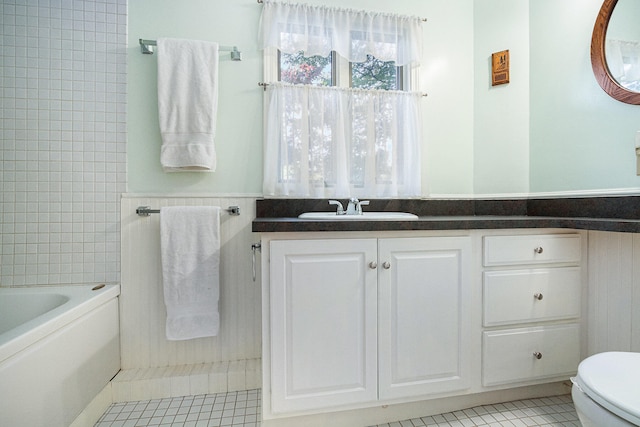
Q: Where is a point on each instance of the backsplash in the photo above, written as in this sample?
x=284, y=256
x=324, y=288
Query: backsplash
x=269, y=208
x=63, y=151
x=627, y=207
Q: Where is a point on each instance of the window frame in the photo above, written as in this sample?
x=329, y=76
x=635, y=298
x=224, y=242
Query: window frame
x=340, y=69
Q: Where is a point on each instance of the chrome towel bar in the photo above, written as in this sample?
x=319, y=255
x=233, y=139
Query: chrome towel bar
x=146, y=210
x=147, y=47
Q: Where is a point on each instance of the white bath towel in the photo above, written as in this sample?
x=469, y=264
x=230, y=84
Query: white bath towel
x=190, y=248
x=187, y=104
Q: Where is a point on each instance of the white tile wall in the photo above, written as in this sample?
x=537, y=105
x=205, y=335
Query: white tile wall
x=63, y=132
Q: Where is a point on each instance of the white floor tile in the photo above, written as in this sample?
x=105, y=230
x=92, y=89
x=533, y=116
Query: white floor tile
x=242, y=409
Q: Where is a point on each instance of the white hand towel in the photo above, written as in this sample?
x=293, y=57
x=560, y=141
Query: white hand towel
x=187, y=104
x=190, y=248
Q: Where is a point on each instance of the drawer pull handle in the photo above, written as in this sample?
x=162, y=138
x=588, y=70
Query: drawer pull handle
x=386, y=265
x=373, y=265
x=538, y=296
x=537, y=355
x=538, y=250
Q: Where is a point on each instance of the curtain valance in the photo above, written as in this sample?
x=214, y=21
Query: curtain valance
x=317, y=30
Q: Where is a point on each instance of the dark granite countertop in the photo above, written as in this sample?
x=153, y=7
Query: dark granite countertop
x=272, y=225
x=604, y=214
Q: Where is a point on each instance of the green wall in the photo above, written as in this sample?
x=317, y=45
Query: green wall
x=446, y=77
x=239, y=123
x=501, y=121
x=552, y=129
x=581, y=139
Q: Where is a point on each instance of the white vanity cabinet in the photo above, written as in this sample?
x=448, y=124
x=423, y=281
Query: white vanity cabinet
x=360, y=328
x=356, y=321
x=531, y=307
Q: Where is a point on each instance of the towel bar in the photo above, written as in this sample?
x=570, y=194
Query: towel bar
x=146, y=210
x=147, y=47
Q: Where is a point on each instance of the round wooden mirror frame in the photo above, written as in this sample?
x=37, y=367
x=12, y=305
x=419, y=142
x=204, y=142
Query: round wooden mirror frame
x=599, y=61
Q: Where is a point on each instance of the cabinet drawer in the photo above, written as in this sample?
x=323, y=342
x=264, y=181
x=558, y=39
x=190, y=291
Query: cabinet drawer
x=508, y=355
x=531, y=249
x=532, y=295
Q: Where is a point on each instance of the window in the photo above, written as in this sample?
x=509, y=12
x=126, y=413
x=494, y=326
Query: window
x=322, y=71
x=341, y=119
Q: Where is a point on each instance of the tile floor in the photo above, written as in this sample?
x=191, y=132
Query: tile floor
x=242, y=409
x=547, y=411
x=237, y=409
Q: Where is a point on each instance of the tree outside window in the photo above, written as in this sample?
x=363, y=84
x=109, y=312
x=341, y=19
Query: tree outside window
x=297, y=68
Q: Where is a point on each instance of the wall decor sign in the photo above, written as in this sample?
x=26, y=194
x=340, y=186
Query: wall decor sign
x=500, y=68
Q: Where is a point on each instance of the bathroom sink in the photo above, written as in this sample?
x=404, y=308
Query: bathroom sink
x=366, y=216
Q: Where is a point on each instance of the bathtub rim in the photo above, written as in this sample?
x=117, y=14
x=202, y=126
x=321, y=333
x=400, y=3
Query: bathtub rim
x=82, y=299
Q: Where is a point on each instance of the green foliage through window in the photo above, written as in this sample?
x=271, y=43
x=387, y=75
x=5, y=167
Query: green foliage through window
x=375, y=74
x=297, y=68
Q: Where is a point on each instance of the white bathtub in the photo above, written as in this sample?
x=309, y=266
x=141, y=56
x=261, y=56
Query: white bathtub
x=59, y=347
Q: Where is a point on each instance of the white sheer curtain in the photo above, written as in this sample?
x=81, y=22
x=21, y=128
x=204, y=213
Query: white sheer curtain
x=337, y=142
x=331, y=142
x=317, y=30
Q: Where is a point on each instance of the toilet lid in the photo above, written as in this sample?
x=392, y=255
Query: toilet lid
x=612, y=379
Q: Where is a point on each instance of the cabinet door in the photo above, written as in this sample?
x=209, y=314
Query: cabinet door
x=323, y=323
x=424, y=315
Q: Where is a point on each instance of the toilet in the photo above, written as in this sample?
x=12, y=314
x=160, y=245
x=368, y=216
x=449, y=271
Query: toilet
x=606, y=391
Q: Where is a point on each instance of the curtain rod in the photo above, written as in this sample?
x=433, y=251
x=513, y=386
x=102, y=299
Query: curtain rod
x=264, y=85
x=422, y=19
x=147, y=47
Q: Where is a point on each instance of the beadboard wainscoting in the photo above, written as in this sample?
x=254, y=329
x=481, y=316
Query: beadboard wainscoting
x=614, y=292
x=153, y=367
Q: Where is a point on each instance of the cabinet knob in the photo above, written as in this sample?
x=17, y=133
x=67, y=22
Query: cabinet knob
x=386, y=265
x=538, y=296
x=373, y=265
x=537, y=355
x=538, y=250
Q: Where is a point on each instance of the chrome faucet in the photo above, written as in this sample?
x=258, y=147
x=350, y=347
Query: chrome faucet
x=340, y=209
x=353, y=208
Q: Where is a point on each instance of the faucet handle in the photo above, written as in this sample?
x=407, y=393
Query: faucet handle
x=340, y=208
x=360, y=204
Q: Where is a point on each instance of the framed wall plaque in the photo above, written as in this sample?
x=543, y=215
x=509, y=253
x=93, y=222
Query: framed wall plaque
x=500, y=68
